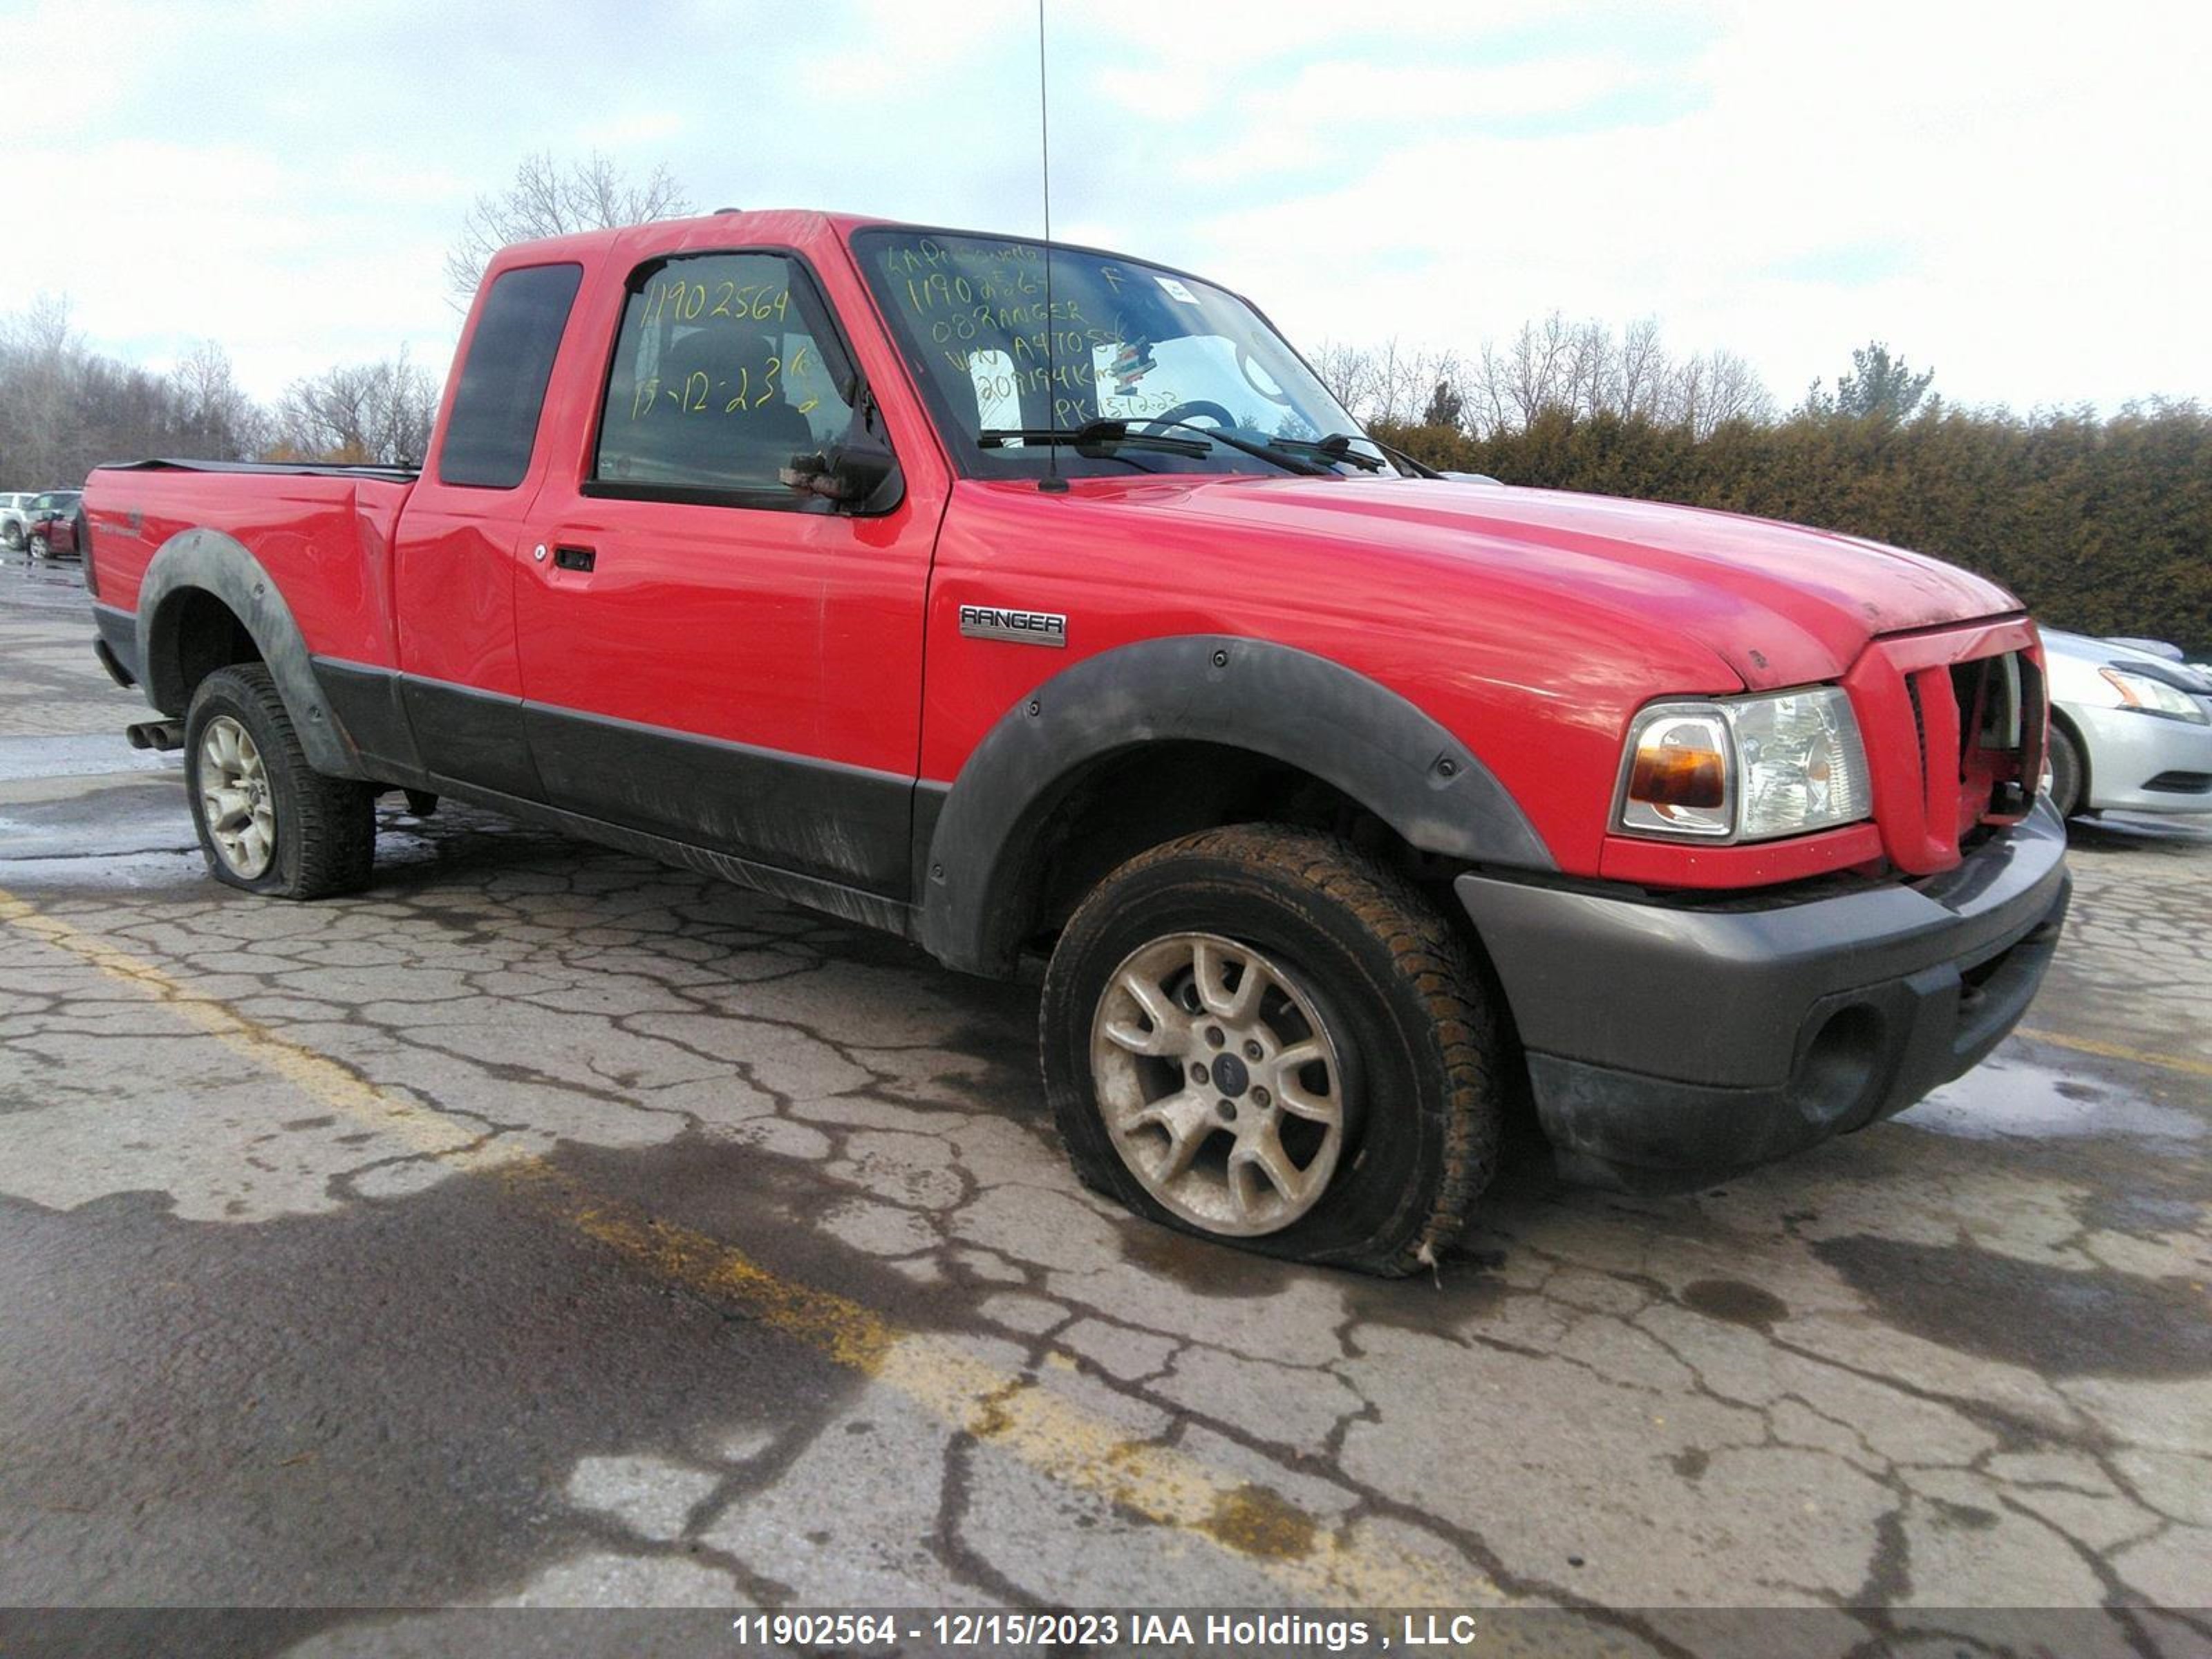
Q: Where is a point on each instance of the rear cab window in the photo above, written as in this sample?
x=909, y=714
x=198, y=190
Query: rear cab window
x=494, y=427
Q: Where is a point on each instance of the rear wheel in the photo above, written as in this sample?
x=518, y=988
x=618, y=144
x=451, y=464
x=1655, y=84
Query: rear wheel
x=2065, y=772
x=12, y=533
x=1261, y=1036
x=268, y=822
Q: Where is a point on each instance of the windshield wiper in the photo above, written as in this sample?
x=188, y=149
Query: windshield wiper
x=1335, y=447
x=1338, y=446
x=1092, y=435
x=1101, y=435
x=1289, y=463
x=1421, y=468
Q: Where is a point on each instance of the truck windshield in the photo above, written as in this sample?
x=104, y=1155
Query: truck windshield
x=1161, y=354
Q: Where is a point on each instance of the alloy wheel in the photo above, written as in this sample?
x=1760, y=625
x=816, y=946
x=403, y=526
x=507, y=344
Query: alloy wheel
x=234, y=796
x=1221, y=1082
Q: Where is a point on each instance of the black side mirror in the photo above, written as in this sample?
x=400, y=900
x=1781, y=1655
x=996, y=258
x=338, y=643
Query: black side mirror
x=860, y=475
x=862, y=478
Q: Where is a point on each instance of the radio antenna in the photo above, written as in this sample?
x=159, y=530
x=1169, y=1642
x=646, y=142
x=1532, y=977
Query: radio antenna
x=1052, y=480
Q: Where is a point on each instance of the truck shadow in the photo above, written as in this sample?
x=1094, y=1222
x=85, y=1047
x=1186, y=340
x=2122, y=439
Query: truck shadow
x=2127, y=832
x=1526, y=1207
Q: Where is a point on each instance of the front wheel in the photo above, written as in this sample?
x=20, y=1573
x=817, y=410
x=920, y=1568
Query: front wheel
x=2065, y=772
x=268, y=822
x=38, y=544
x=1261, y=1037
x=12, y=533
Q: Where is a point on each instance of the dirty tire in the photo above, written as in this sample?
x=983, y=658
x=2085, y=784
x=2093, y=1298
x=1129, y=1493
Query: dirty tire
x=12, y=535
x=325, y=836
x=1423, y=1104
x=2065, y=772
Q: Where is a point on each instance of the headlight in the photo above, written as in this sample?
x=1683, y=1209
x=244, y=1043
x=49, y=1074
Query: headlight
x=2148, y=696
x=1750, y=769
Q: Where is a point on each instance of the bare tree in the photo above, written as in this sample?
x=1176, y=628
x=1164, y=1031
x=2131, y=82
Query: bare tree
x=552, y=199
x=1347, y=372
x=1683, y=401
x=1585, y=369
x=1710, y=388
x=408, y=408
x=1538, y=367
x=1642, y=368
x=1488, y=405
x=217, y=420
x=1591, y=369
x=1398, y=370
x=1401, y=382
x=1392, y=382
x=41, y=360
x=378, y=413
x=1734, y=393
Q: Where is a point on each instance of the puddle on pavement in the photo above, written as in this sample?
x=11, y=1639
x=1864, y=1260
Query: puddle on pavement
x=96, y=825
x=2004, y=1098
x=2057, y=1322
x=104, y=873
x=1200, y=1265
x=1735, y=1302
x=88, y=754
x=44, y=585
x=227, y=1360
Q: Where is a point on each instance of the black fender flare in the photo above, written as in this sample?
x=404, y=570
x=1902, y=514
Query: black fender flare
x=1289, y=705
x=218, y=565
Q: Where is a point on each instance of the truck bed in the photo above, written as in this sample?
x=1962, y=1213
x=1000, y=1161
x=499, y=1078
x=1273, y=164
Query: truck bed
x=322, y=532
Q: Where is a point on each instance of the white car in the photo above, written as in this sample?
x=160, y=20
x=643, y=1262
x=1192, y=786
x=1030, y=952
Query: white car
x=14, y=519
x=2130, y=730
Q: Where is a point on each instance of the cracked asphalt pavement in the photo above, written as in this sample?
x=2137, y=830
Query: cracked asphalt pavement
x=549, y=1228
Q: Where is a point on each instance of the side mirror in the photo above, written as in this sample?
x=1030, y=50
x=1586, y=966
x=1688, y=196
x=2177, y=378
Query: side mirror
x=860, y=475
x=858, y=478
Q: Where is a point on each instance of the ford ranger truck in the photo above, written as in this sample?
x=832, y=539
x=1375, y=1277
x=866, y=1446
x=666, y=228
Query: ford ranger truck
x=1026, y=602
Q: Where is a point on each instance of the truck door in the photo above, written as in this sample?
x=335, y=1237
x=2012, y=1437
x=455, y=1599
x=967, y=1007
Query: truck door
x=707, y=653
x=460, y=681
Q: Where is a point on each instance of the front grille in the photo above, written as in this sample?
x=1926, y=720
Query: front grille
x=1919, y=720
x=1991, y=692
x=1954, y=727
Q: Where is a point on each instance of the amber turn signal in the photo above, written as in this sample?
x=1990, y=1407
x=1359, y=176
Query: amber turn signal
x=1664, y=775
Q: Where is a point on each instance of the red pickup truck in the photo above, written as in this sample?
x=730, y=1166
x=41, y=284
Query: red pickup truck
x=1017, y=605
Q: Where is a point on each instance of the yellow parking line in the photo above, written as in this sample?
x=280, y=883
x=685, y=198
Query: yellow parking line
x=1044, y=1430
x=2118, y=1051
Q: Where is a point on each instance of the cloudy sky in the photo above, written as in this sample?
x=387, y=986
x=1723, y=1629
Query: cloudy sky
x=2019, y=196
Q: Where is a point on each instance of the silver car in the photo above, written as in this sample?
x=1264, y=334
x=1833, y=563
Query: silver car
x=15, y=525
x=2130, y=730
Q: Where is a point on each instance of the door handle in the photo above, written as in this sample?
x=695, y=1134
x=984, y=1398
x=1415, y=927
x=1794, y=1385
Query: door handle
x=575, y=558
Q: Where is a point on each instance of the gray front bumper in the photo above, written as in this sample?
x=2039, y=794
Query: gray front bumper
x=1668, y=1043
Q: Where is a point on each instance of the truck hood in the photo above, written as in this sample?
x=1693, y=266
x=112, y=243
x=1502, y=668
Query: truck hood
x=1780, y=604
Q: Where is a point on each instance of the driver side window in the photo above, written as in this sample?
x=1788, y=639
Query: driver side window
x=719, y=379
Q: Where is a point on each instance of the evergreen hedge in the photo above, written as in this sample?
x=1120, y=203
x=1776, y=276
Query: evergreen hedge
x=2104, y=526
